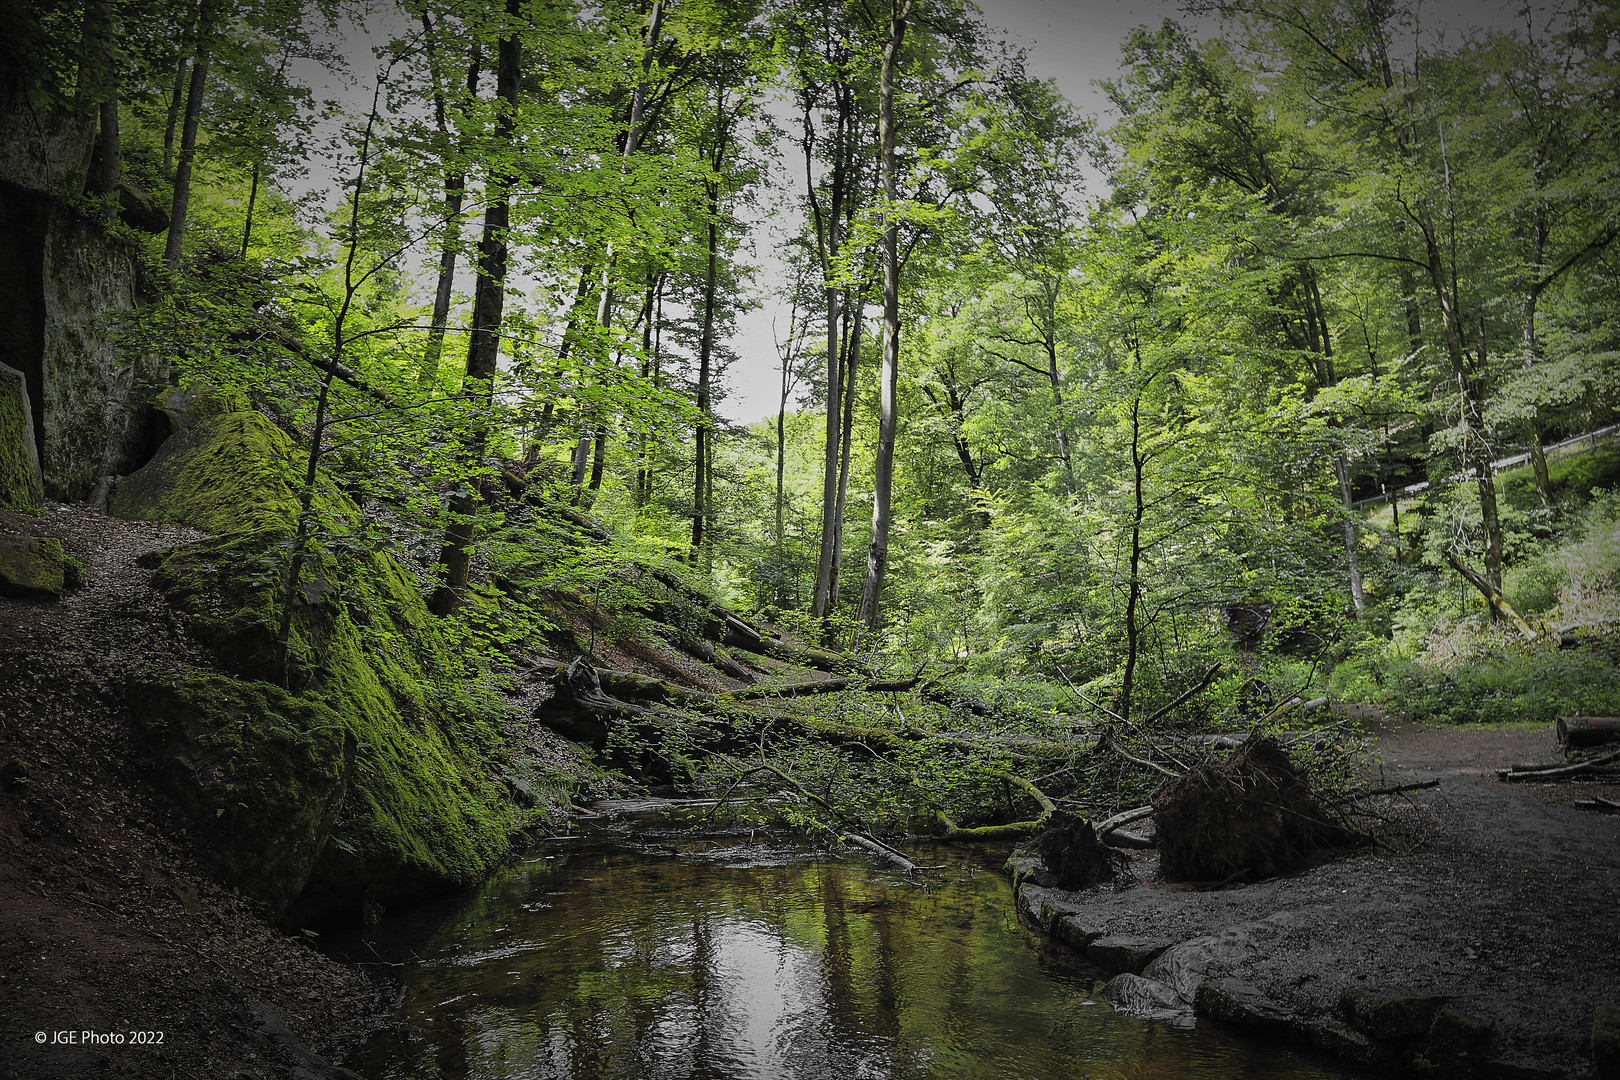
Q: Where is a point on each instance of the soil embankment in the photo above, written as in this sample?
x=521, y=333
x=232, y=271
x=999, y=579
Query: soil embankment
x=1497, y=898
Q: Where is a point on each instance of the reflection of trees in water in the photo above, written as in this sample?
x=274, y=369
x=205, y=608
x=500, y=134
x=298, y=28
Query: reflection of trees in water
x=683, y=969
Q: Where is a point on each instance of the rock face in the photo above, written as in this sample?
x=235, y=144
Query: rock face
x=21, y=487
x=63, y=281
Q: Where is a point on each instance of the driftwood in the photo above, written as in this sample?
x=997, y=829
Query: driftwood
x=1598, y=802
x=1580, y=732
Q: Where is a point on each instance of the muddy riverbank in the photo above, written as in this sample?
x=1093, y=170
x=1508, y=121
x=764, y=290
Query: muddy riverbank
x=1488, y=902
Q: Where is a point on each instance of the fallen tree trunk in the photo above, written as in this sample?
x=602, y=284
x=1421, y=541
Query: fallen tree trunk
x=1494, y=599
x=824, y=686
x=1580, y=732
x=1558, y=772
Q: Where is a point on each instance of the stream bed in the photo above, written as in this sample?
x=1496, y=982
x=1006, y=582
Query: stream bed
x=655, y=954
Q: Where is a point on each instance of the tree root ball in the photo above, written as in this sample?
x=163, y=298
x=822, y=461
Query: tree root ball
x=1073, y=854
x=1248, y=817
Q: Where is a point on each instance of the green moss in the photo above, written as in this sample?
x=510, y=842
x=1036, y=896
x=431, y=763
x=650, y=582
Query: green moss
x=20, y=485
x=32, y=566
x=224, y=472
x=420, y=810
x=262, y=773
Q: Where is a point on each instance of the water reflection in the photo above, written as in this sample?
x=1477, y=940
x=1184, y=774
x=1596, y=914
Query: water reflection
x=753, y=960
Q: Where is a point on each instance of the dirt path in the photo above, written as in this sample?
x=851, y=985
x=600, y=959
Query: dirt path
x=1499, y=897
x=111, y=923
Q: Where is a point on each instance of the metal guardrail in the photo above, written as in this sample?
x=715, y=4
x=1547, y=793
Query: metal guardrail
x=1590, y=440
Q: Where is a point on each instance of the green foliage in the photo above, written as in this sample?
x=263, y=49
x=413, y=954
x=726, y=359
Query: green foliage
x=1505, y=686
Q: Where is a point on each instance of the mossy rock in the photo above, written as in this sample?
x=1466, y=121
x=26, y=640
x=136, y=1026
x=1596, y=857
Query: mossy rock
x=261, y=773
x=223, y=472
x=34, y=567
x=21, y=486
x=421, y=811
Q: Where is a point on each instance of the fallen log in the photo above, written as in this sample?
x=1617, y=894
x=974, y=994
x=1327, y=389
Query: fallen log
x=1597, y=802
x=1558, y=772
x=1397, y=789
x=1580, y=732
x=823, y=686
x=1499, y=607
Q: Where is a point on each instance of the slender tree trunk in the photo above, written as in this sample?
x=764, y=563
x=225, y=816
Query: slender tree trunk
x=877, y=559
x=172, y=119
x=700, y=504
x=455, y=191
x=188, y=135
x=829, y=224
x=632, y=143
x=483, y=340
x=1532, y=296
x=98, y=87
x=300, y=544
x=855, y=317
x=1133, y=595
x=253, y=198
x=649, y=309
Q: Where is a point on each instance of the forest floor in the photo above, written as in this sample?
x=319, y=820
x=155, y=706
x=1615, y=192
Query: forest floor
x=1499, y=897
x=113, y=924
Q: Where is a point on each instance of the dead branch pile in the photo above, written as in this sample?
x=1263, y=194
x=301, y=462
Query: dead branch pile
x=1247, y=817
x=1076, y=858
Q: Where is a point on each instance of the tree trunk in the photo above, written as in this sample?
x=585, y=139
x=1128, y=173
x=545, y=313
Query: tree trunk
x=483, y=340
x=854, y=315
x=455, y=190
x=829, y=226
x=877, y=559
x=172, y=117
x=700, y=504
x=188, y=135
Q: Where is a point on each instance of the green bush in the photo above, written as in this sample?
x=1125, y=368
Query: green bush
x=1505, y=687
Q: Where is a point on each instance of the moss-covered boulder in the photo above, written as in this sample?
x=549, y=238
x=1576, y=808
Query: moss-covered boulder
x=21, y=487
x=421, y=811
x=262, y=774
x=221, y=472
x=33, y=567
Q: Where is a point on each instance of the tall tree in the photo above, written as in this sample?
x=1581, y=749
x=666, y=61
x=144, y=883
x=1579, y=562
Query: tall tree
x=483, y=339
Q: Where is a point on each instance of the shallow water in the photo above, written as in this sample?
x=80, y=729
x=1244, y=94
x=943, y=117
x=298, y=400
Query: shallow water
x=685, y=959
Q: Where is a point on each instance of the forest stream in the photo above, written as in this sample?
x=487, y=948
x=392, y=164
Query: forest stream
x=641, y=950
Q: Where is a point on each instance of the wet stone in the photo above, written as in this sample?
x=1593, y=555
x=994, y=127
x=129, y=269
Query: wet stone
x=1131, y=954
x=1232, y=1001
